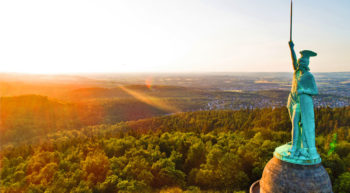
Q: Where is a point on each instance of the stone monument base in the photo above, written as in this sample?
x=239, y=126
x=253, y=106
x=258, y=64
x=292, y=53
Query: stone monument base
x=282, y=153
x=283, y=177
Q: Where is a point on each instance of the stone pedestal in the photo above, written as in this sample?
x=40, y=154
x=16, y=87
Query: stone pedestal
x=282, y=153
x=283, y=177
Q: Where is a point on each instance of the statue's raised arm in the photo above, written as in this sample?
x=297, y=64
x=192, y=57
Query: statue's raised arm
x=294, y=57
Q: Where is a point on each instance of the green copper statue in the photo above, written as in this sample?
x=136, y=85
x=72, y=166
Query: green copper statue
x=302, y=149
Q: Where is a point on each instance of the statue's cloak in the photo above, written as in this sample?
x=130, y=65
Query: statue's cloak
x=307, y=82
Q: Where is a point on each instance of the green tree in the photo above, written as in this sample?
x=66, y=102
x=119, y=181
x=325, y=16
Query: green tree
x=342, y=184
x=95, y=167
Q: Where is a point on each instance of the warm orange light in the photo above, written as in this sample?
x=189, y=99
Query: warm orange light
x=153, y=101
x=148, y=82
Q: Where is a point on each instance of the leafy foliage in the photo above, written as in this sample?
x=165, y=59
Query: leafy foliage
x=196, y=151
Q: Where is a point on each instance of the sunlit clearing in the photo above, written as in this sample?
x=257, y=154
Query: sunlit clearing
x=153, y=101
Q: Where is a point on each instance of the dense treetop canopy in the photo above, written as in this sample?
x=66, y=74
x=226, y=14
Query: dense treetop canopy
x=204, y=150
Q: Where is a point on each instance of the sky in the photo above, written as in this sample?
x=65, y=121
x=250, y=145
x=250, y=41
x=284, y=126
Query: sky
x=106, y=36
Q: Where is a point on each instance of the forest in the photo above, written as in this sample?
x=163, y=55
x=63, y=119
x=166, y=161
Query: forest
x=202, y=151
x=37, y=115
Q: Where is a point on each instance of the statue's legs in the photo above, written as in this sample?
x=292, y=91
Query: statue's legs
x=295, y=115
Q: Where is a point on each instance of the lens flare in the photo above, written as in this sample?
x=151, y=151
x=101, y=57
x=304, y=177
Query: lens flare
x=148, y=82
x=153, y=101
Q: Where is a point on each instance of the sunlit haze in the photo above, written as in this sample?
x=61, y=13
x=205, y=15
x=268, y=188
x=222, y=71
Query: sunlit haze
x=81, y=36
